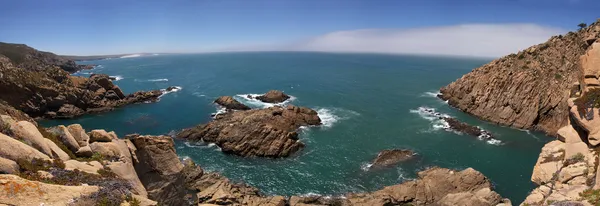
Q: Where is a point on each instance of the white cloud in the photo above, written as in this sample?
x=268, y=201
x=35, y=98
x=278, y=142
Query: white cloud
x=485, y=40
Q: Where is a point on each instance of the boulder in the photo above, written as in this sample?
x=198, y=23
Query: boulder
x=126, y=171
x=84, y=152
x=481, y=197
x=30, y=134
x=65, y=137
x=8, y=166
x=549, y=162
x=38, y=193
x=230, y=103
x=537, y=195
x=592, y=127
x=566, y=193
x=273, y=96
x=111, y=95
x=387, y=158
x=269, y=132
x=571, y=171
x=79, y=134
x=106, y=149
x=14, y=150
x=159, y=169
x=89, y=167
x=100, y=135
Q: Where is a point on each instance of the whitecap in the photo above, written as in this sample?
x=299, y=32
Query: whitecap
x=431, y=94
x=366, y=166
x=131, y=56
x=176, y=89
x=250, y=100
x=189, y=144
x=158, y=80
x=117, y=77
x=439, y=123
x=327, y=117
x=220, y=110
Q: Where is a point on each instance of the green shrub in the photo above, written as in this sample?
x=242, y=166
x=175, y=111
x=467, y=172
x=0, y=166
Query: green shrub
x=575, y=159
x=590, y=98
x=592, y=196
x=108, y=173
x=95, y=157
x=558, y=76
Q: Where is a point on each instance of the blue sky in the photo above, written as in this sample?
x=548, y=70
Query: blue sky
x=109, y=27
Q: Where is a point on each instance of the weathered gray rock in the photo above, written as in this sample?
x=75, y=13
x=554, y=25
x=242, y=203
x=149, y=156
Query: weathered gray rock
x=8, y=166
x=79, y=134
x=14, y=150
x=106, y=149
x=230, y=103
x=100, y=135
x=89, y=167
x=84, y=152
x=66, y=138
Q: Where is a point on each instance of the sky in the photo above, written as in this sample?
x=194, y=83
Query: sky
x=446, y=27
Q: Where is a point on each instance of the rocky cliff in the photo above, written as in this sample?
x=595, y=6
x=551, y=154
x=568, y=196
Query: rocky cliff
x=29, y=58
x=52, y=93
x=528, y=89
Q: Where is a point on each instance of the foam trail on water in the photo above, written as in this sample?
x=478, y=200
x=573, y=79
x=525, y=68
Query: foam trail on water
x=327, y=117
x=366, y=166
x=438, y=121
x=431, y=94
x=176, y=89
x=250, y=100
x=158, y=80
x=117, y=77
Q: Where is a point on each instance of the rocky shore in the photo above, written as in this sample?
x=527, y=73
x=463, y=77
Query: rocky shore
x=529, y=89
x=49, y=166
x=47, y=91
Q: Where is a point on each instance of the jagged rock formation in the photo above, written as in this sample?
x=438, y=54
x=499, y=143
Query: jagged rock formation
x=53, y=93
x=230, y=103
x=28, y=58
x=273, y=96
x=391, y=157
x=528, y=89
x=269, y=132
x=568, y=167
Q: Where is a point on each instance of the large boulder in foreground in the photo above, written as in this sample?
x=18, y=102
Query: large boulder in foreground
x=230, y=103
x=159, y=169
x=391, y=157
x=269, y=132
x=273, y=96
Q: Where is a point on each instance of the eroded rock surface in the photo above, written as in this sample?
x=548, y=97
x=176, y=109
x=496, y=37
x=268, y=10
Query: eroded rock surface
x=273, y=96
x=269, y=132
x=230, y=103
x=529, y=89
x=388, y=158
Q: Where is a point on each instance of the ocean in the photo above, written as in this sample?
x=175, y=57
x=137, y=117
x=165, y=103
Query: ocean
x=367, y=102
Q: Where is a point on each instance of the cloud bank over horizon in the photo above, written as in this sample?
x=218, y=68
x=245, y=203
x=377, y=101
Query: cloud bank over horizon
x=480, y=40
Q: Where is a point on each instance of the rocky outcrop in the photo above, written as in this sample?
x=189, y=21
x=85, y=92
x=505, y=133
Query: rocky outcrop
x=388, y=158
x=30, y=134
x=53, y=93
x=529, y=89
x=269, y=132
x=159, y=169
x=8, y=166
x=566, y=167
x=29, y=58
x=230, y=103
x=14, y=150
x=273, y=96
x=18, y=191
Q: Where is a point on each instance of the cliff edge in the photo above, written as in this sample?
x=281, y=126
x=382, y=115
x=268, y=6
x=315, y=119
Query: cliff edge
x=529, y=89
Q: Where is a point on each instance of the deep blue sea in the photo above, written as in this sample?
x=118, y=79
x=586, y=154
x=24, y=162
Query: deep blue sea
x=367, y=102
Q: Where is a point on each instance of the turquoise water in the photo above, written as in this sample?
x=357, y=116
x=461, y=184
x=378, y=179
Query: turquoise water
x=368, y=103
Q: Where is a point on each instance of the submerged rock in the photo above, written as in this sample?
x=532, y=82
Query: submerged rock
x=230, y=103
x=388, y=158
x=468, y=129
x=269, y=132
x=273, y=96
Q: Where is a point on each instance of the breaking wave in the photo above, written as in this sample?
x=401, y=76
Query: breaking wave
x=250, y=100
x=117, y=77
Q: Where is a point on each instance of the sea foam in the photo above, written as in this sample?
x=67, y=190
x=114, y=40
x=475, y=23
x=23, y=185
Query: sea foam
x=131, y=56
x=438, y=123
x=243, y=98
x=117, y=77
